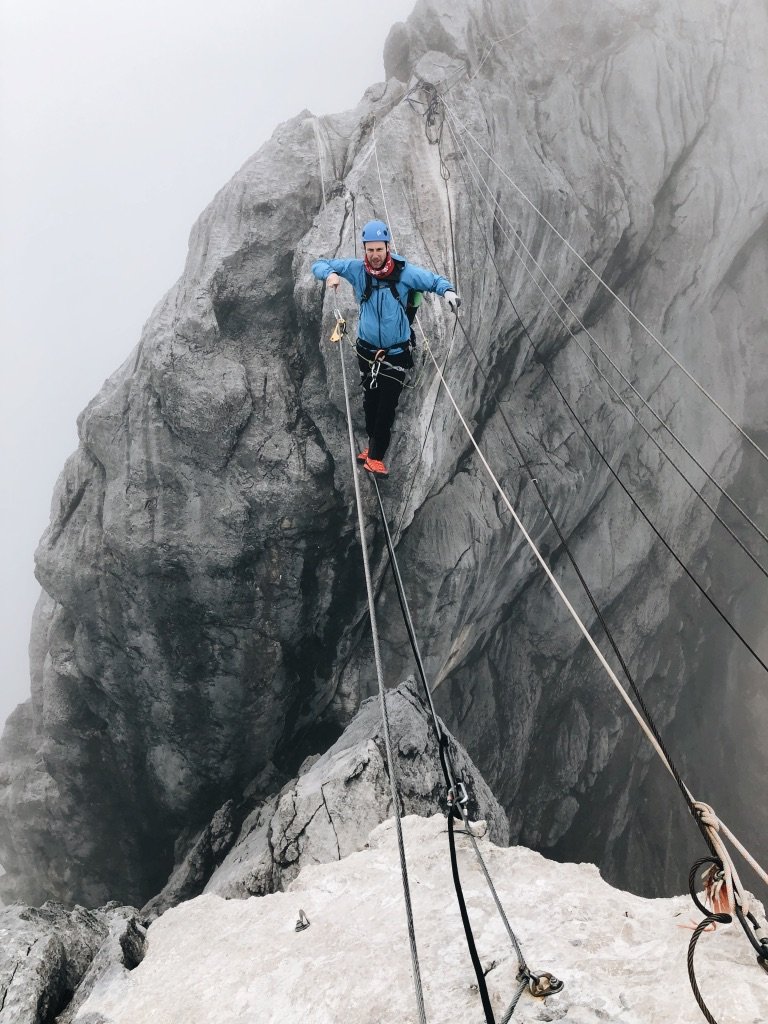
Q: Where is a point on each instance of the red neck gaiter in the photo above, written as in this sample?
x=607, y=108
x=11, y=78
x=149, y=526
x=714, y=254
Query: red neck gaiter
x=385, y=271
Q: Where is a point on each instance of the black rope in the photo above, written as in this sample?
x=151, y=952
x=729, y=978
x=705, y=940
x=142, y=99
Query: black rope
x=710, y=918
x=445, y=761
x=456, y=808
x=702, y=927
x=450, y=775
x=481, y=985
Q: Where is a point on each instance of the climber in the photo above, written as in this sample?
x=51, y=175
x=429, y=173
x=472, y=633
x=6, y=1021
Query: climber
x=386, y=287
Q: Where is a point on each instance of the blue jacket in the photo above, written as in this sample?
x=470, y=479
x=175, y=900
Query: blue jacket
x=382, y=322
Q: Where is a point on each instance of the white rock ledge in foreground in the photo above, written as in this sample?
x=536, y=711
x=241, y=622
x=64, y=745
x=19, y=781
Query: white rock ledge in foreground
x=623, y=958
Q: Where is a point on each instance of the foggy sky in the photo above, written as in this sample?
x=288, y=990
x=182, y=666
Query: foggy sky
x=118, y=123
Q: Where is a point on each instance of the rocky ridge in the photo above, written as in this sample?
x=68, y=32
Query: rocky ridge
x=52, y=958
x=326, y=812
x=202, y=620
x=622, y=958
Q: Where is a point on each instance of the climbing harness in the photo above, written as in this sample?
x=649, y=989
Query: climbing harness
x=378, y=365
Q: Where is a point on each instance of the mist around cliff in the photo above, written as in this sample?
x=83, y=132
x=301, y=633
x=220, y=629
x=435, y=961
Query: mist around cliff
x=118, y=124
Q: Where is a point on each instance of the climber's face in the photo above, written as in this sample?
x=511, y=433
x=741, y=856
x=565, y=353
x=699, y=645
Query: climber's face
x=376, y=254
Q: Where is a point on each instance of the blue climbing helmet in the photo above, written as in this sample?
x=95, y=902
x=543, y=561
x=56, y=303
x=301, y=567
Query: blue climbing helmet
x=376, y=231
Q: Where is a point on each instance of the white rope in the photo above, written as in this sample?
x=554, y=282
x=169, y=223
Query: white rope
x=605, y=285
x=745, y=853
x=540, y=559
x=707, y=814
x=391, y=766
x=709, y=818
x=530, y=541
x=316, y=127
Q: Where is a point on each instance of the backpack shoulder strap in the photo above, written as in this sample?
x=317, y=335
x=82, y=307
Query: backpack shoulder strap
x=394, y=279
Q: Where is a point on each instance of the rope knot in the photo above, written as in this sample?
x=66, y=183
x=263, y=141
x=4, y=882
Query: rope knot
x=706, y=815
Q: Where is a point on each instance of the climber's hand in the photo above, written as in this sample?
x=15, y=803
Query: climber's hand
x=333, y=280
x=453, y=301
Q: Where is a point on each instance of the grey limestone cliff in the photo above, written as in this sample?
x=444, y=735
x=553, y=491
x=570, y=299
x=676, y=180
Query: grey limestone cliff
x=327, y=811
x=202, y=614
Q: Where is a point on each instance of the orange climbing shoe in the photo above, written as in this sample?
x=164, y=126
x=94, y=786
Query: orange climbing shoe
x=363, y=456
x=375, y=466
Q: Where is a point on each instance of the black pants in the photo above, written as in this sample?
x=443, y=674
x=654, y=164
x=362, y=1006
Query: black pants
x=381, y=393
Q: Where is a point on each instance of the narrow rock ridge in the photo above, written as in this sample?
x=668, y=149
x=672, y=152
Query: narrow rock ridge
x=327, y=812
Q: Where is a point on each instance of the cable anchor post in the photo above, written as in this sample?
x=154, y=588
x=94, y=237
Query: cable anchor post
x=541, y=984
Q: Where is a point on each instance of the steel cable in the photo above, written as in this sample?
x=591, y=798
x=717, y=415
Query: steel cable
x=391, y=764
x=490, y=200
x=604, y=284
x=642, y=512
x=458, y=806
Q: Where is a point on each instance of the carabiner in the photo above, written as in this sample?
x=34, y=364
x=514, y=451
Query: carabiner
x=340, y=328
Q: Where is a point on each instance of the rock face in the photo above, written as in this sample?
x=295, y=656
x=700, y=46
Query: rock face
x=202, y=615
x=49, y=954
x=622, y=958
x=327, y=812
